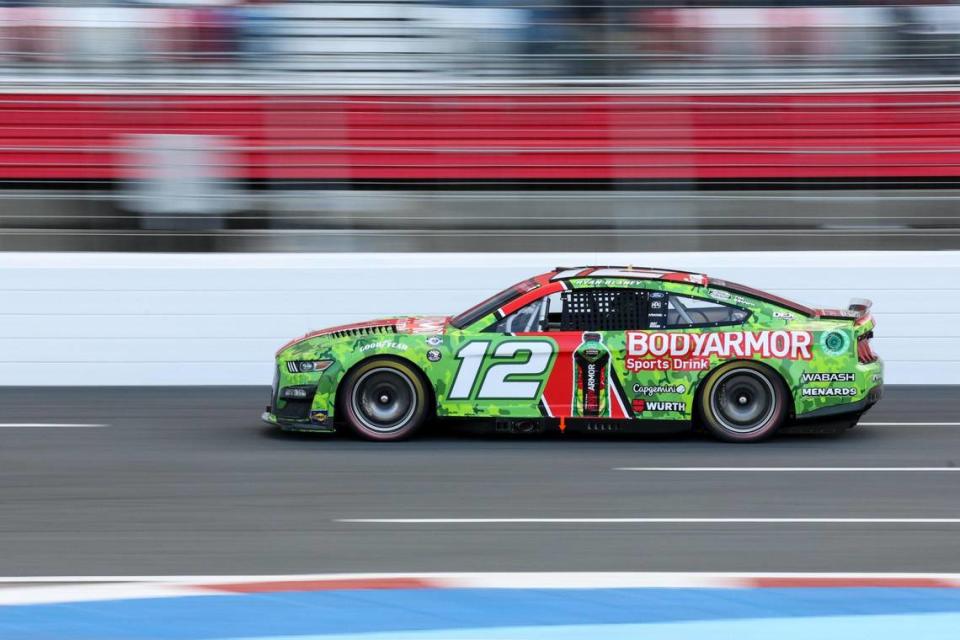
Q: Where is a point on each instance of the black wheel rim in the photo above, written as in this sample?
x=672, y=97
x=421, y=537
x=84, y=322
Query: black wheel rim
x=743, y=400
x=384, y=400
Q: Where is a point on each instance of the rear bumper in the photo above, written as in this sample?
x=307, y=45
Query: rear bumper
x=854, y=408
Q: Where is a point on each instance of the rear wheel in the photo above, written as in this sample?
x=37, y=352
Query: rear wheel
x=743, y=402
x=384, y=400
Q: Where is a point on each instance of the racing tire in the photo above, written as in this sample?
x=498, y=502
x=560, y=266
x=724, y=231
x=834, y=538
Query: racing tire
x=743, y=402
x=384, y=400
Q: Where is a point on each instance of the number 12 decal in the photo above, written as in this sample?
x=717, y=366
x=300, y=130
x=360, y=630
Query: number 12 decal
x=496, y=381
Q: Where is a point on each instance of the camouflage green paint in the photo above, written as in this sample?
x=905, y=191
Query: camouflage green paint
x=433, y=346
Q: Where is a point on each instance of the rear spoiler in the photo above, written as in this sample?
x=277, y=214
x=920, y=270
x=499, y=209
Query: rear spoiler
x=859, y=310
x=861, y=306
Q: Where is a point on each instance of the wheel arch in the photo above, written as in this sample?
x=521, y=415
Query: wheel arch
x=339, y=396
x=701, y=383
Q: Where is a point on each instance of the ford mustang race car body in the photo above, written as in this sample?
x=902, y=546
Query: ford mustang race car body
x=594, y=348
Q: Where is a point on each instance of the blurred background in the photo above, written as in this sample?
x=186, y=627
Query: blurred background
x=237, y=173
x=478, y=125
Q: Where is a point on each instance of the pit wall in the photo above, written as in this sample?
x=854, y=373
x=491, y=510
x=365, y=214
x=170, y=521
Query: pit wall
x=71, y=319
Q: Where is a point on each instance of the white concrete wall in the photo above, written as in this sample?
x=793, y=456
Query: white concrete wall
x=168, y=319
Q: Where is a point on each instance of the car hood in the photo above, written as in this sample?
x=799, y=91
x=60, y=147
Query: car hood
x=425, y=325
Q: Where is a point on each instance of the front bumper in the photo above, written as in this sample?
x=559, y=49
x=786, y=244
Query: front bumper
x=318, y=422
x=295, y=414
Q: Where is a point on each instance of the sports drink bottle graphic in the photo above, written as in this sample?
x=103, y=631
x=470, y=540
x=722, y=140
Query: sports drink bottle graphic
x=590, y=392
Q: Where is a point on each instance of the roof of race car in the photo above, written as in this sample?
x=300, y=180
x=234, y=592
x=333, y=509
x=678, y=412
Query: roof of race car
x=674, y=275
x=639, y=273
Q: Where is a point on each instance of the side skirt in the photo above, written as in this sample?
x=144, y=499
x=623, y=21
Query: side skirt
x=536, y=426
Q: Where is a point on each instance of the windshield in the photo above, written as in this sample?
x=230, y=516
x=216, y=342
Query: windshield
x=493, y=303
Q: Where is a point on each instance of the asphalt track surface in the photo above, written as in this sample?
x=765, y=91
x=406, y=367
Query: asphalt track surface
x=188, y=481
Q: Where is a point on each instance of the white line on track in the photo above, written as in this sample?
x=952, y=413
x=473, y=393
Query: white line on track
x=649, y=520
x=789, y=469
x=49, y=425
x=909, y=424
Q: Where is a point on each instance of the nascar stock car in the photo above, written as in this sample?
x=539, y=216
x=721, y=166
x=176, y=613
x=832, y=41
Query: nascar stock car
x=590, y=348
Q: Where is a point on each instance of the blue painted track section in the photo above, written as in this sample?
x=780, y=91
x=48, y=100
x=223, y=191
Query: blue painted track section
x=468, y=614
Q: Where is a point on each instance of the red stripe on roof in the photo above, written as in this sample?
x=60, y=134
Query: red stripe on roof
x=535, y=294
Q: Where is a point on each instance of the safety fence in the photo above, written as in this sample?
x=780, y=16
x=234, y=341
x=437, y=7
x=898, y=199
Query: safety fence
x=279, y=140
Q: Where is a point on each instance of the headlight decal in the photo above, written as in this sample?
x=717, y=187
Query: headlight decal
x=308, y=366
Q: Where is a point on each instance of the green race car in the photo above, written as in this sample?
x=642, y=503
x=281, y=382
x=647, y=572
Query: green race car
x=590, y=348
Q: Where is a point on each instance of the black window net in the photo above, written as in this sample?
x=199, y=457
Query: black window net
x=602, y=310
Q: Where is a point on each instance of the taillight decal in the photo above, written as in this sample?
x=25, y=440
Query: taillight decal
x=865, y=353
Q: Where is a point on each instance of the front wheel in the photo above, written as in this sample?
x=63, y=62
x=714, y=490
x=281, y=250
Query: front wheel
x=743, y=402
x=384, y=400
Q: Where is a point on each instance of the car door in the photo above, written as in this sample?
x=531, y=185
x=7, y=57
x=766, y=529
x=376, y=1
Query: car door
x=592, y=340
x=502, y=370
x=585, y=327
